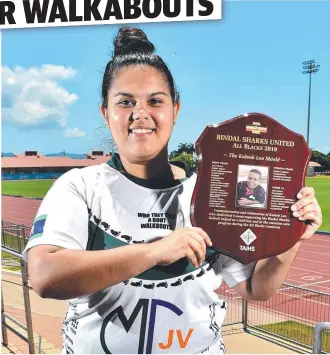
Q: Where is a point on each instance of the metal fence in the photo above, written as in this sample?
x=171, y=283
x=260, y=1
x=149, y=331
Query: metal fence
x=291, y=315
x=318, y=333
x=27, y=309
x=14, y=238
x=288, y=318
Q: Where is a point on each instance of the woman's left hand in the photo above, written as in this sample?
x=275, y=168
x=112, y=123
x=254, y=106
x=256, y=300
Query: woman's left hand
x=307, y=209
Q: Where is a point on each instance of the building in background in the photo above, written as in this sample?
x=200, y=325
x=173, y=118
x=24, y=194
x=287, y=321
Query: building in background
x=311, y=167
x=33, y=165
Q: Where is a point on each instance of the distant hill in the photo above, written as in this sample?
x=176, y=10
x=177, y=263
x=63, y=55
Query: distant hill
x=65, y=154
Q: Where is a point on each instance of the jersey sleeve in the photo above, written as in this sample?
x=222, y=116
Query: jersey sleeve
x=238, y=189
x=261, y=195
x=62, y=218
x=235, y=272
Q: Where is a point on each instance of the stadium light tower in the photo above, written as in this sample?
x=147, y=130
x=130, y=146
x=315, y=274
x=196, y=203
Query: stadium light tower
x=310, y=67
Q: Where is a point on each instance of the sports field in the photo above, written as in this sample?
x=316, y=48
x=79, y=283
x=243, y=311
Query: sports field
x=321, y=185
x=27, y=188
x=39, y=188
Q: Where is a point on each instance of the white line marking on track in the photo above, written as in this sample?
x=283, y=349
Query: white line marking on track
x=295, y=297
x=324, y=240
x=313, y=261
x=313, y=252
x=325, y=289
x=313, y=283
x=317, y=245
x=297, y=278
x=304, y=299
x=311, y=277
x=309, y=271
x=300, y=273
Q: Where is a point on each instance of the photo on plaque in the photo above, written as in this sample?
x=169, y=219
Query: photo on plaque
x=252, y=186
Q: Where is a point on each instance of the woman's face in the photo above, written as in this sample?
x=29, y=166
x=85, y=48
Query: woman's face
x=140, y=112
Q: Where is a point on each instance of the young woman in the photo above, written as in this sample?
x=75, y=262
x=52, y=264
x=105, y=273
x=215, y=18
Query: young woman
x=116, y=241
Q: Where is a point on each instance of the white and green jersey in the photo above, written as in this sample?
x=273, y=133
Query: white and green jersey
x=166, y=309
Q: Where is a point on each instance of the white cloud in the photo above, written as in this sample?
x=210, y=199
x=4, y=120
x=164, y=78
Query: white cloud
x=32, y=97
x=74, y=133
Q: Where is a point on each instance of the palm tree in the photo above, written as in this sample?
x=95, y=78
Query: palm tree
x=186, y=148
x=182, y=148
x=173, y=154
x=191, y=148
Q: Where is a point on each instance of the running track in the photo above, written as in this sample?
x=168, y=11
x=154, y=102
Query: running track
x=311, y=268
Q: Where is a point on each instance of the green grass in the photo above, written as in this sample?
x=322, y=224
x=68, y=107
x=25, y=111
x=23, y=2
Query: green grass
x=29, y=188
x=297, y=331
x=12, y=268
x=9, y=260
x=321, y=185
x=12, y=241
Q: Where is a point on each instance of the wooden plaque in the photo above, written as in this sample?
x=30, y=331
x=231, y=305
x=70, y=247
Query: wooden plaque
x=250, y=170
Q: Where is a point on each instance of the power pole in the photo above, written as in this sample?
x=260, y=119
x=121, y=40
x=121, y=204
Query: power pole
x=310, y=67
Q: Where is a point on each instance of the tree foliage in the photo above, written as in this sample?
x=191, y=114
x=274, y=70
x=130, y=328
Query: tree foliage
x=322, y=159
x=185, y=153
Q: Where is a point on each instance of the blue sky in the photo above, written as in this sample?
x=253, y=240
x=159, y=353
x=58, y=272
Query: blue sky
x=250, y=61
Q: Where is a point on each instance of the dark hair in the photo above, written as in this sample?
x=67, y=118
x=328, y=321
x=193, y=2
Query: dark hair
x=132, y=47
x=255, y=171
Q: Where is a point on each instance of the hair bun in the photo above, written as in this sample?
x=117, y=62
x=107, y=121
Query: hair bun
x=132, y=40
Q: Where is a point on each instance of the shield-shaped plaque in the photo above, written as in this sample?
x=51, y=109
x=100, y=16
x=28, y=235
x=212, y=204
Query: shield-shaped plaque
x=250, y=170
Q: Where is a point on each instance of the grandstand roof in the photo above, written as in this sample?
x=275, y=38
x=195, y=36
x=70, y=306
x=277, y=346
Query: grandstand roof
x=314, y=164
x=42, y=161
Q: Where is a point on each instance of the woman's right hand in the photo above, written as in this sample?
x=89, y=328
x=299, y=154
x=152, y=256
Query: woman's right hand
x=183, y=242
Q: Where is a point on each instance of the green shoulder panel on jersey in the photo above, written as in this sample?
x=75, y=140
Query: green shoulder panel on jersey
x=101, y=240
